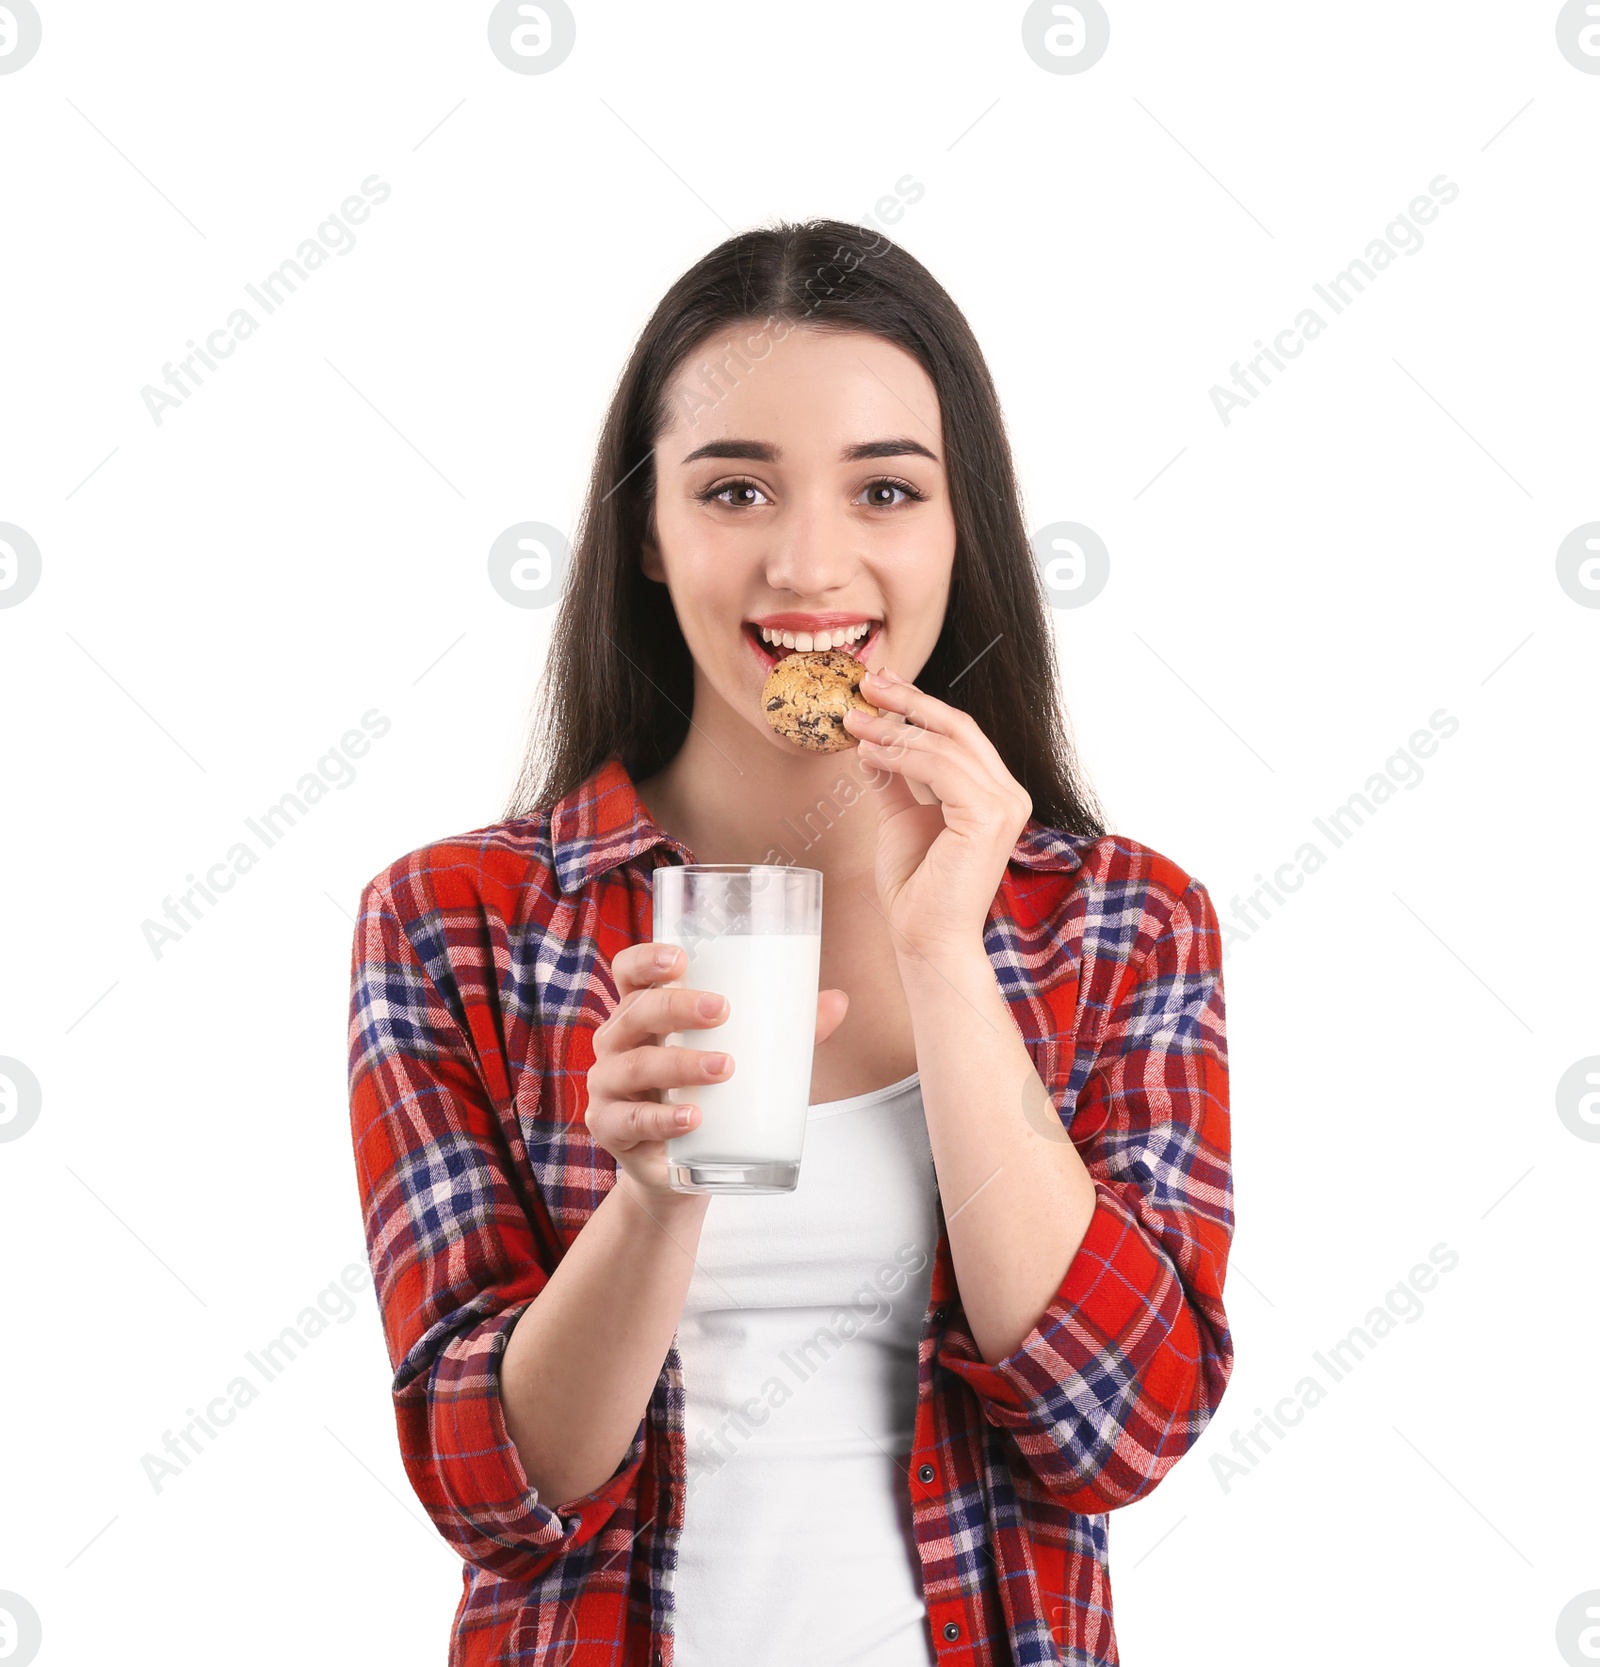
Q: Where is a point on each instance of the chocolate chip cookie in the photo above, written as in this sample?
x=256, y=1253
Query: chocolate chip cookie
x=807, y=695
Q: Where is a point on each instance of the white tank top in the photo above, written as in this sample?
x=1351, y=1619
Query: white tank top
x=799, y=1347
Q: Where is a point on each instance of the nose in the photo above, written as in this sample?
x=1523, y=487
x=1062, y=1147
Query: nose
x=811, y=552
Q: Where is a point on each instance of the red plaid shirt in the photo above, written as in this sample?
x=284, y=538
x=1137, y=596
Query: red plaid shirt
x=480, y=972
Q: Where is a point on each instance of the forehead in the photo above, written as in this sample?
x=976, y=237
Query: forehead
x=815, y=390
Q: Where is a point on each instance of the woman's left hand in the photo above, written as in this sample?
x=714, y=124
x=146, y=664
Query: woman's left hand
x=938, y=866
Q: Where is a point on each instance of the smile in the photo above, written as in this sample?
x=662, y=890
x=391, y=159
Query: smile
x=772, y=645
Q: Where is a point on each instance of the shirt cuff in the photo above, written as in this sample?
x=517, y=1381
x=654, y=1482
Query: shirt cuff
x=491, y=1513
x=1118, y=1302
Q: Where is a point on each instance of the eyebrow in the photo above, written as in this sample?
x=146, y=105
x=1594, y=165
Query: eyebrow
x=763, y=451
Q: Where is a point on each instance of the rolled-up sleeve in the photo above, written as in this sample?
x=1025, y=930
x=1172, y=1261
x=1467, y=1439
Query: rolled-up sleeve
x=1130, y=1359
x=455, y=1257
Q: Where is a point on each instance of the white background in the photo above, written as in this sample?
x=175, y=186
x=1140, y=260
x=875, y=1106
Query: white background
x=1292, y=594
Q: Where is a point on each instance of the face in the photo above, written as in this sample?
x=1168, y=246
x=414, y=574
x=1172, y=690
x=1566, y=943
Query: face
x=810, y=498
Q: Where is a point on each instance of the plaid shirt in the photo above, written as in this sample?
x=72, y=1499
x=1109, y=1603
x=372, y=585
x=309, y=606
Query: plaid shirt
x=480, y=972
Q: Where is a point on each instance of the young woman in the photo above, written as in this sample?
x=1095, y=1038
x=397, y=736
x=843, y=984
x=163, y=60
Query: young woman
x=882, y=1418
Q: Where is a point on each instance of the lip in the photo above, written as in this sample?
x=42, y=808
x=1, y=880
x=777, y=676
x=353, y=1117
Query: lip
x=769, y=657
x=808, y=622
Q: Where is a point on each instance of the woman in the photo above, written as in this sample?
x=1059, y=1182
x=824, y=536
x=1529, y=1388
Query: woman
x=879, y=1419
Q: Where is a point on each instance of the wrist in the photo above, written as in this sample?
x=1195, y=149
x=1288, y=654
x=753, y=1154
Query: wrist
x=662, y=1204
x=931, y=957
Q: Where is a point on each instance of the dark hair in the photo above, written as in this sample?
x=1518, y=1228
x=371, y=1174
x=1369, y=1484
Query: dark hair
x=618, y=679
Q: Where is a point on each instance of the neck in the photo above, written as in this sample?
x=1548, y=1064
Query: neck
x=731, y=795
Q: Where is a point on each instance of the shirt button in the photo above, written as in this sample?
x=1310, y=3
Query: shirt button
x=938, y=1316
x=926, y=1474
x=951, y=1631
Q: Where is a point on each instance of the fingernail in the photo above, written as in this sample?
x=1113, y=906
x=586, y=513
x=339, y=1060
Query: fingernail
x=708, y=1006
x=664, y=955
x=681, y=1116
x=716, y=1063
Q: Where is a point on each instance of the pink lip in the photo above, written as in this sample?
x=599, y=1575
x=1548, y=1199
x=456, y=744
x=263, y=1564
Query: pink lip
x=808, y=622
x=769, y=656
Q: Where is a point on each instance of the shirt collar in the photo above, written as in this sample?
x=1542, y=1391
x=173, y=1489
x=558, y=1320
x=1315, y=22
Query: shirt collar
x=603, y=823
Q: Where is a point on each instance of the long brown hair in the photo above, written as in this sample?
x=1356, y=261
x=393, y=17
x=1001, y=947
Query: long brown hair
x=618, y=679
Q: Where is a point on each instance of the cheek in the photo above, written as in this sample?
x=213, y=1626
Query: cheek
x=708, y=560
x=705, y=582
x=942, y=568
x=918, y=573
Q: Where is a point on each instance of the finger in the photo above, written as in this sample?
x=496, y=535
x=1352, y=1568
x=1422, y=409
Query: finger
x=925, y=710
x=619, y=1125
x=634, y=1075
x=936, y=762
x=641, y=965
x=891, y=791
x=832, y=1005
x=645, y=1014
x=928, y=712
x=970, y=802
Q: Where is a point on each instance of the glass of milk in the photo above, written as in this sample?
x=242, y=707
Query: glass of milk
x=752, y=932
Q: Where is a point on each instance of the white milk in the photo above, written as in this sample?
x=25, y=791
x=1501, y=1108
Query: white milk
x=758, y=1114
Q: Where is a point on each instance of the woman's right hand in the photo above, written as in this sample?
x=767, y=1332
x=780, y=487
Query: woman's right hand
x=631, y=1065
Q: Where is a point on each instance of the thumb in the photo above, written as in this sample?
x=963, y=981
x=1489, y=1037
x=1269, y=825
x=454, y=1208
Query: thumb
x=832, y=1006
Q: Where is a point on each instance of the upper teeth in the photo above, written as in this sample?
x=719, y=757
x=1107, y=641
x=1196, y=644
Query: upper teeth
x=809, y=641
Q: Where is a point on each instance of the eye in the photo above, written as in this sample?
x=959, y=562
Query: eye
x=873, y=488
x=718, y=494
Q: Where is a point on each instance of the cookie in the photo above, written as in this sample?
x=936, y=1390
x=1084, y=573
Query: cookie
x=807, y=695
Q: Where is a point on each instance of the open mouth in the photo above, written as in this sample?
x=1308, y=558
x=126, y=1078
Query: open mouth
x=770, y=653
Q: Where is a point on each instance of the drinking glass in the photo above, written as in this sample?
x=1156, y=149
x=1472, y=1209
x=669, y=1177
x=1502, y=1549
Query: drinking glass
x=752, y=932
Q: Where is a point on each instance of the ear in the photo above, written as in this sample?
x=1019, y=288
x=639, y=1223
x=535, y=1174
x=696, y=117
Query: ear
x=650, y=562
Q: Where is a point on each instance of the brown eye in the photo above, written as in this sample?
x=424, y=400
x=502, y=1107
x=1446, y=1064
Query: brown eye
x=742, y=491
x=879, y=494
